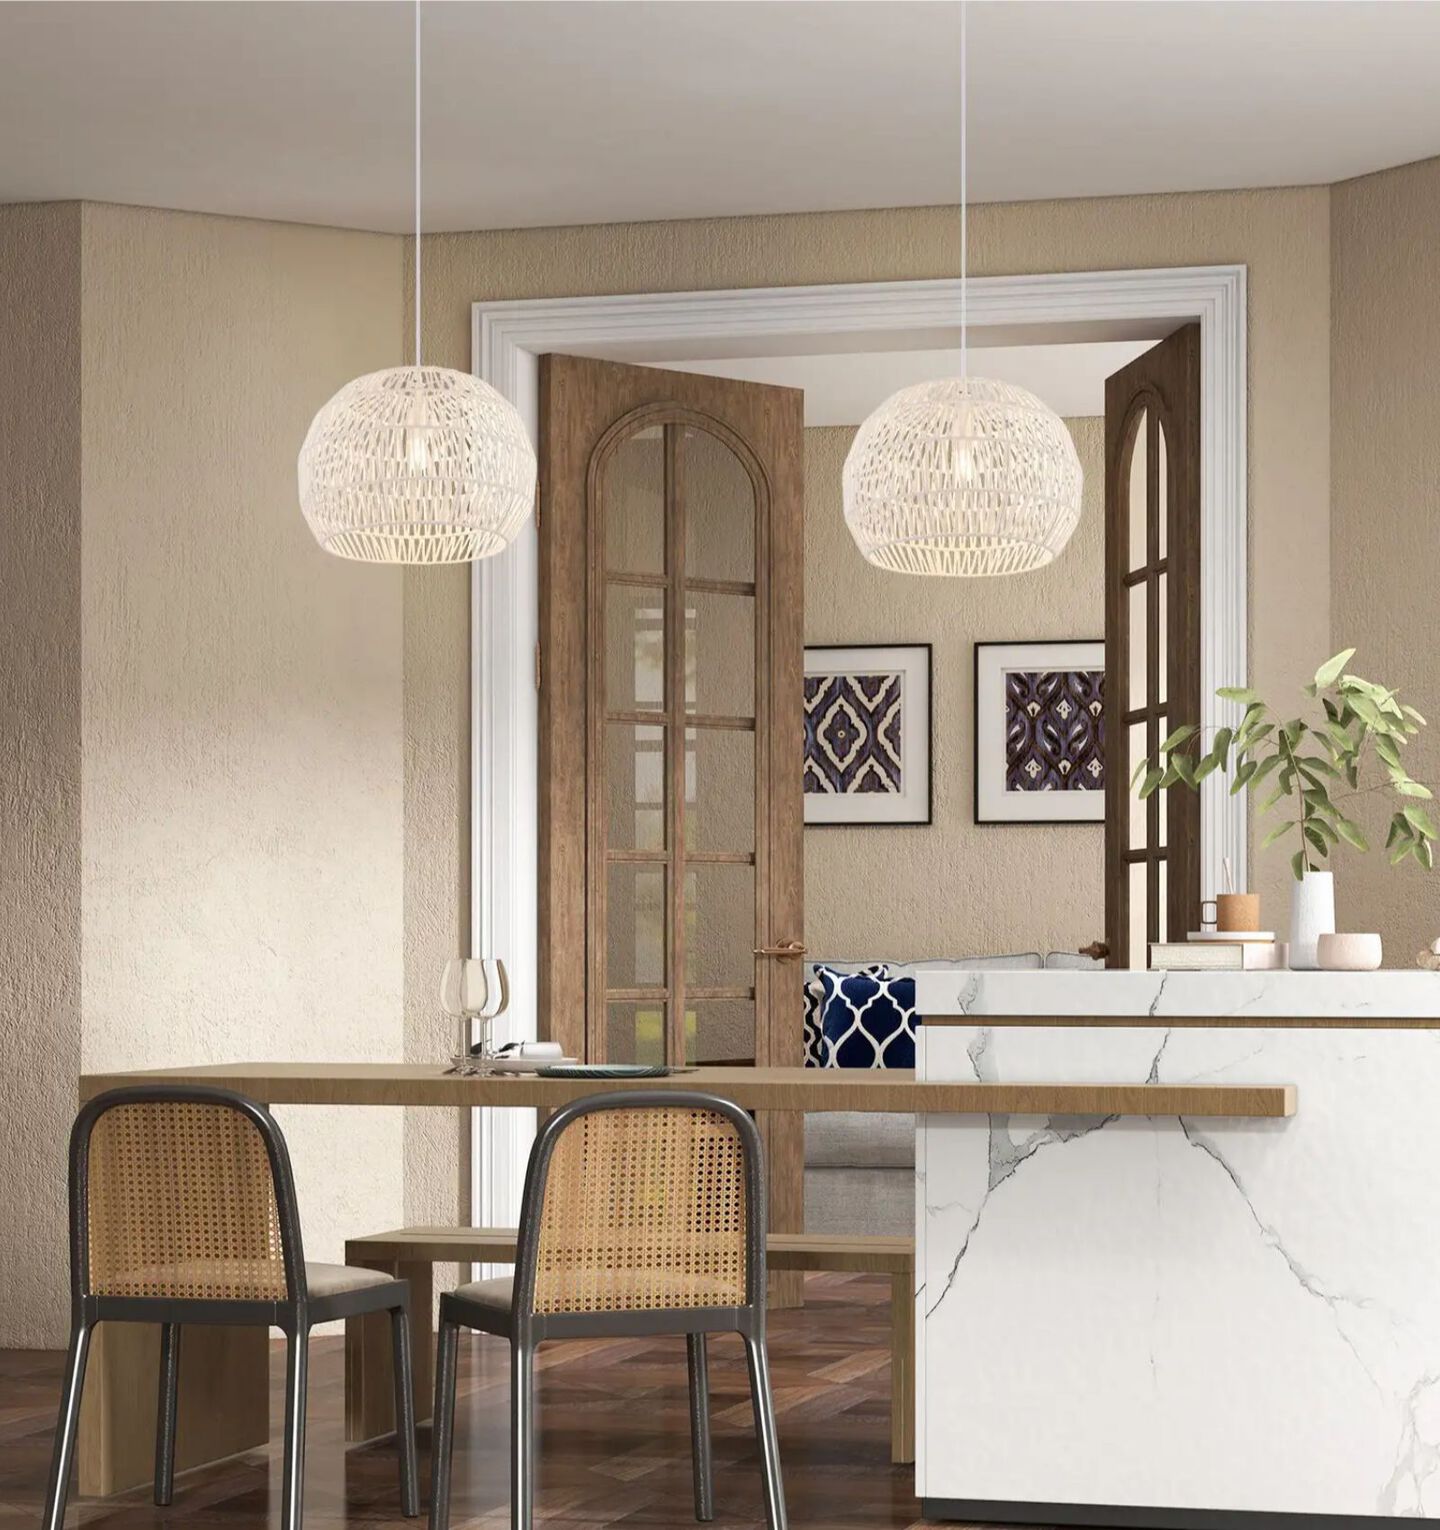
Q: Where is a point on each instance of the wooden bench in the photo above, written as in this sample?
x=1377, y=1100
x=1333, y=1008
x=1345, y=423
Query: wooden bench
x=412, y=1252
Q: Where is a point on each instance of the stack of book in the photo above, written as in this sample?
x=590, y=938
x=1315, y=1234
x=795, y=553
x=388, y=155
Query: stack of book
x=1221, y=951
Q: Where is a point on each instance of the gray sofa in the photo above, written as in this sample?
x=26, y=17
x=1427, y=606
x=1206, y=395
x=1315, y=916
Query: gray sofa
x=860, y=1166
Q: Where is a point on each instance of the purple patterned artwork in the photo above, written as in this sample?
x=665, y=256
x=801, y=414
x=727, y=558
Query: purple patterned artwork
x=1055, y=730
x=853, y=733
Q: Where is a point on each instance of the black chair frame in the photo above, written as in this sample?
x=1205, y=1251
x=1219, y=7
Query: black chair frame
x=526, y=1329
x=295, y=1315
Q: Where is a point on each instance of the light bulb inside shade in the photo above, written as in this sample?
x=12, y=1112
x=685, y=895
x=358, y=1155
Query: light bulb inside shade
x=965, y=477
x=417, y=465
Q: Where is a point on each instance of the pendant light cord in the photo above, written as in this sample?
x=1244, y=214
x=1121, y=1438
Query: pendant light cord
x=417, y=182
x=964, y=193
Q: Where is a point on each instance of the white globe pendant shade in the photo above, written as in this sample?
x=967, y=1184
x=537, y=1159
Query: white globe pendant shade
x=416, y=465
x=963, y=476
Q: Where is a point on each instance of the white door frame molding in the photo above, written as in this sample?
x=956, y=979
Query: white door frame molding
x=508, y=338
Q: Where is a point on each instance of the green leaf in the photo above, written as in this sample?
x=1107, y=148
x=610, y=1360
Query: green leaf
x=1264, y=768
x=1340, y=738
x=1297, y=865
x=1179, y=736
x=1399, y=829
x=1388, y=752
x=1350, y=833
x=1183, y=767
x=1220, y=748
x=1409, y=788
x=1317, y=799
x=1208, y=766
x=1424, y=854
x=1311, y=763
x=1246, y=771
x=1139, y=771
x=1412, y=714
x=1240, y=693
x=1419, y=819
x=1400, y=851
x=1368, y=712
x=1153, y=779
x=1316, y=839
x=1331, y=670
x=1278, y=832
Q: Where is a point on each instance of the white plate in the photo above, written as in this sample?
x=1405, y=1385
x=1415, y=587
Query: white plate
x=1232, y=936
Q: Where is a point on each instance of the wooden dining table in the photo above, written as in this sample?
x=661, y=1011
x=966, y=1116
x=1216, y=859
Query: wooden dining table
x=224, y=1400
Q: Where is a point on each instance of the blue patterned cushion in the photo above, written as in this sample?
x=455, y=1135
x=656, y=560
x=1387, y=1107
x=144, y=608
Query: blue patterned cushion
x=815, y=1000
x=867, y=1019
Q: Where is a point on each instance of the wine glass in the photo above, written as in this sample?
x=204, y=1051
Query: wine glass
x=476, y=989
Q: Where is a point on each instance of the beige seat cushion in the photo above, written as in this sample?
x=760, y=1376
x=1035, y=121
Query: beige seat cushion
x=493, y=1295
x=337, y=1279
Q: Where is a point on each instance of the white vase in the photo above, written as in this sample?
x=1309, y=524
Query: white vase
x=1312, y=914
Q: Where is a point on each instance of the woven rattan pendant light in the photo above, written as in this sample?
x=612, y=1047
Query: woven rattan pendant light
x=963, y=476
x=416, y=464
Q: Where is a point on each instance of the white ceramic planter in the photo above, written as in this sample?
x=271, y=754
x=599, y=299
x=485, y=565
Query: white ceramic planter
x=1350, y=953
x=1312, y=914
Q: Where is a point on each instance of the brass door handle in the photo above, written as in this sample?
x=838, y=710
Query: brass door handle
x=787, y=949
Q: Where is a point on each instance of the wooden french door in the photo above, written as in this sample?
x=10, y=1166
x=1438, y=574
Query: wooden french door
x=1152, y=640
x=670, y=715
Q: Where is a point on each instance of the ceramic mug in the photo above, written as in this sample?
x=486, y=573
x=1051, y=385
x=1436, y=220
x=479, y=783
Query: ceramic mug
x=1231, y=911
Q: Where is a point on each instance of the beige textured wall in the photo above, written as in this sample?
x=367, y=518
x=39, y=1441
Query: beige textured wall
x=39, y=758
x=954, y=888
x=242, y=690
x=1385, y=526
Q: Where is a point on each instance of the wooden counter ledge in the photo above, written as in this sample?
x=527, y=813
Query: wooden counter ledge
x=794, y=1089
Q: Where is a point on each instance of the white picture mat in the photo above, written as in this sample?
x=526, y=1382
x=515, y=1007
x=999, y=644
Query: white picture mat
x=912, y=803
x=993, y=804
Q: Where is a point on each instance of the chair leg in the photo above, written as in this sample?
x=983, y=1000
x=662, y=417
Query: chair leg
x=764, y=1405
x=166, y=1413
x=297, y=1368
x=66, y=1426
x=699, y=1367
x=522, y=1435
x=404, y=1411
x=442, y=1426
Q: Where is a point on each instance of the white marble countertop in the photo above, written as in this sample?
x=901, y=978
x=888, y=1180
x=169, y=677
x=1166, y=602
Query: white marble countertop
x=1403, y=998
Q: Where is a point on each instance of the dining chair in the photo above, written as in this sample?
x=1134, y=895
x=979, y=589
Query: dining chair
x=643, y=1213
x=182, y=1210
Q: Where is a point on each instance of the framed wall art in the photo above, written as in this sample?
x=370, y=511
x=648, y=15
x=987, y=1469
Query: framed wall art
x=1040, y=732
x=867, y=734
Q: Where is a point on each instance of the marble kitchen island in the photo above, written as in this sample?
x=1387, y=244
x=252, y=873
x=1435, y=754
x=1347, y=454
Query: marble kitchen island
x=1167, y=1322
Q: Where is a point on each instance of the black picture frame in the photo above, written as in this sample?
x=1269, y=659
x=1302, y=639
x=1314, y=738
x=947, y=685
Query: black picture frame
x=924, y=658
x=980, y=817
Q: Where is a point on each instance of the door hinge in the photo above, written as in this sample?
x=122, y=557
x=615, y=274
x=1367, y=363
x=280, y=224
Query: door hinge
x=537, y=666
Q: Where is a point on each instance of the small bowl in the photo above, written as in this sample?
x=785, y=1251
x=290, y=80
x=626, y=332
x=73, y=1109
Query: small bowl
x=1349, y=953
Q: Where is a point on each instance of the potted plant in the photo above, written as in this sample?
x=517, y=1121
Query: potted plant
x=1316, y=769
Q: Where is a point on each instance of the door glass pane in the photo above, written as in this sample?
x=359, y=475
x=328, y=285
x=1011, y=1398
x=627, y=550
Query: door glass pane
x=635, y=925
x=635, y=1033
x=720, y=789
x=720, y=654
x=1162, y=655
x=634, y=649
x=720, y=1031
x=632, y=497
x=1138, y=653
x=1162, y=454
x=1164, y=871
x=1138, y=809
x=719, y=504
x=720, y=926
x=1139, y=532
x=1139, y=951
x=635, y=786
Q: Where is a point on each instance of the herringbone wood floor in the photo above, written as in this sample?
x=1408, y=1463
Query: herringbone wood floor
x=614, y=1437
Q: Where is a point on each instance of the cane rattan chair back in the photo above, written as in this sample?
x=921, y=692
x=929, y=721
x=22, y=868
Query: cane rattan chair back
x=183, y=1198
x=637, y=1209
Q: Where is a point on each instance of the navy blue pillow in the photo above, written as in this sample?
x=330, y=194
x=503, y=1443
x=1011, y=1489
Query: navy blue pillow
x=867, y=1019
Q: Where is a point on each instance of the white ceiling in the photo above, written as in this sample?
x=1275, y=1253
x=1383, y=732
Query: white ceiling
x=631, y=109
x=843, y=389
